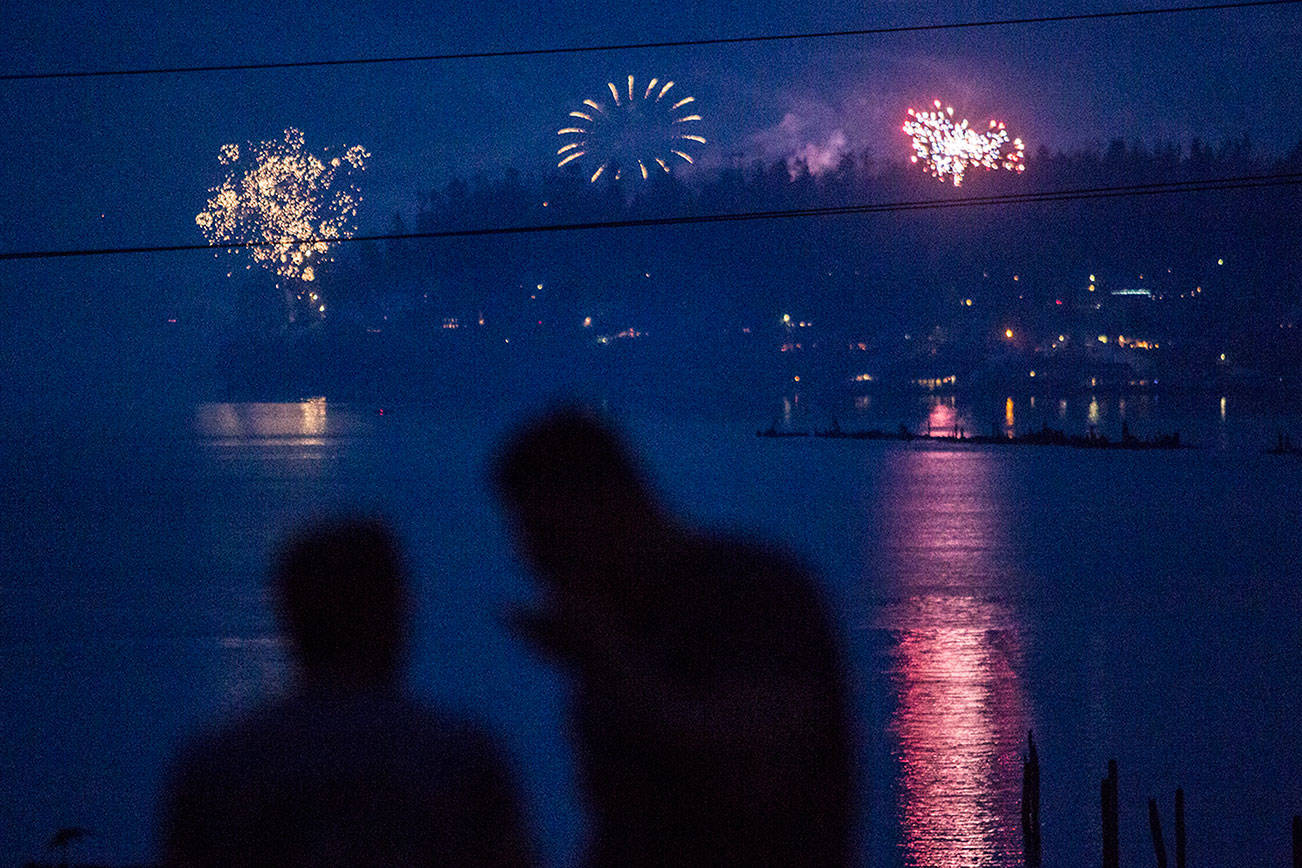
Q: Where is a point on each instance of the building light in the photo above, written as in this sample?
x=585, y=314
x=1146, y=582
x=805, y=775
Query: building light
x=786, y=317
x=1091, y=278
x=587, y=322
x=1062, y=338
x=1103, y=339
x=1008, y=333
x=1220, y=262
x=1032, y=373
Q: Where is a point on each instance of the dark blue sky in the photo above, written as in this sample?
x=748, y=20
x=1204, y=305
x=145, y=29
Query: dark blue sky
x=143, y=150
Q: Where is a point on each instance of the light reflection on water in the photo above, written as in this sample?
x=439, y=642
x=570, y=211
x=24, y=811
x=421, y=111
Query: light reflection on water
x=302, y=433
x=299, y=424
x=1246, y=424
x=942, y=418
x=983, y=586
x=955, y=650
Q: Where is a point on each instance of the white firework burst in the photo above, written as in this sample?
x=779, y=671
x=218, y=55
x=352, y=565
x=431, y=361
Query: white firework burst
x=637, y=131
x=288, y=202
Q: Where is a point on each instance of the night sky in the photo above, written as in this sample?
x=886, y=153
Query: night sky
x=128, y=161
x=142, y=151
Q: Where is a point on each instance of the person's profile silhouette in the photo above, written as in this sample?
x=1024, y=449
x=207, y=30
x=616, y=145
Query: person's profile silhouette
x=347, y=769
x=709, y=714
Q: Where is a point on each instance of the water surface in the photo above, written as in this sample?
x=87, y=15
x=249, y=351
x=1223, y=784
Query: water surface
x=1142, y=606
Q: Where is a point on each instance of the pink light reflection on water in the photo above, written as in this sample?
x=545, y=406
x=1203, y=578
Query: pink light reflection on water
x=960, y=718
x=942, y=418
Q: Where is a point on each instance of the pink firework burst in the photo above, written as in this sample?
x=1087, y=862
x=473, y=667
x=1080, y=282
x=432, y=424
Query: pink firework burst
x=950, y=148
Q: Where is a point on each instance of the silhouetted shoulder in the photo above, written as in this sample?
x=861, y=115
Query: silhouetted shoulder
x=729, y=745
x=746, y=604
x=347, y=778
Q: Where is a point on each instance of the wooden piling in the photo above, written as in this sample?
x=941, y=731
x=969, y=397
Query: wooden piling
x=1155, y=826
x=1108, y=798
x=1297, y=842
x=1103, y=812
x=1028, y=856
x=1179, y=829
x=1032, y=853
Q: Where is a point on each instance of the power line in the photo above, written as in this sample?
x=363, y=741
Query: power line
x=679, y=43
x=1242, y=182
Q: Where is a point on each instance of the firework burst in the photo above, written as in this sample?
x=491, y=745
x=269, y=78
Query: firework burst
x=949, y=149
x=288, y=200
x=638, y=131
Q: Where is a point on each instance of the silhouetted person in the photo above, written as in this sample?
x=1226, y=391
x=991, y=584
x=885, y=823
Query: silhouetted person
x=709, y=715
x=347, y=769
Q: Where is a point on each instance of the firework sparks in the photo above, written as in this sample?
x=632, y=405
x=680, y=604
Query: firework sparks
x=294, y=202
x=949, y=149
x=634, y=131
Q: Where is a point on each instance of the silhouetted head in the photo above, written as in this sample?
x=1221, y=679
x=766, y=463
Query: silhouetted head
x=342, y=598
x=580, y=503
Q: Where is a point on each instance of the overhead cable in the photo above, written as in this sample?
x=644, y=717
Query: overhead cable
x=1241, y=182
x=674, y=43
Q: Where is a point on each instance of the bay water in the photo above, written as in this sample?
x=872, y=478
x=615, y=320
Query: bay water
x=1138, y=606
